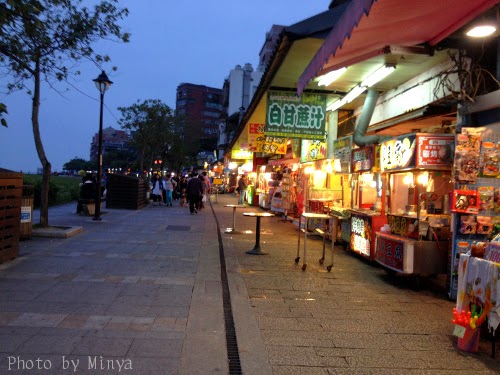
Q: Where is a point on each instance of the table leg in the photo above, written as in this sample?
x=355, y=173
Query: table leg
x=334, y=237
x=304, y=265
x=324, y=221
x=233, y=229
x=297, y=258
x=257, y=250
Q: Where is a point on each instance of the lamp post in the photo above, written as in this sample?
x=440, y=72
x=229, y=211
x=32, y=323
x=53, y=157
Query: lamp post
x=103, y=84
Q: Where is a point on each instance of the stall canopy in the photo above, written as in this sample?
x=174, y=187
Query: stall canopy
x=368, y=26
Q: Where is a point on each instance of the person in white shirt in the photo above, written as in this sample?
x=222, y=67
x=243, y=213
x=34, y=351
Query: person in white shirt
x=168, y=186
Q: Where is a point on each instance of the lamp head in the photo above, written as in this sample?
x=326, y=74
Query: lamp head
x=102, y=82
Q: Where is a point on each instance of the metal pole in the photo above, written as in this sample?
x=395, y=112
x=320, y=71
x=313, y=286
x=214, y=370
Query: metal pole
x=97, y=214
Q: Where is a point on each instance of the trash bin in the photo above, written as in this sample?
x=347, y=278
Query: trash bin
x=27, y=212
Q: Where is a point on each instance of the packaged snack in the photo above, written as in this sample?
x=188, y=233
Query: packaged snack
x=486, y=197
x=468, y=224
x=484, y=225
x=466, y=166
x=465, y=201
x=490, y=160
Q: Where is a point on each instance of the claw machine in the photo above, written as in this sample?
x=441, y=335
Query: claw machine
x=417, y=172
x=367, y=211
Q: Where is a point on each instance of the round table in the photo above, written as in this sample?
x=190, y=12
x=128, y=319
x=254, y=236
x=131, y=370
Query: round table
x=234, y=207
x=256, y=249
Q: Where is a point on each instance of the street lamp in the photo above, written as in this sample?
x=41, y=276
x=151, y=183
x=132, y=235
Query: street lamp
x=103, y=84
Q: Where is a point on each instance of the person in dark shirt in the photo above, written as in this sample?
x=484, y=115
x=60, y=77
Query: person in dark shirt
x=194, y=191
x=182, y=189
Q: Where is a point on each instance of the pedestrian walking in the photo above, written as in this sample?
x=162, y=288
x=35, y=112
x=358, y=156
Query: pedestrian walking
x=168, y=188
x=242, y=187
x=156, y=189
x=183, y=190
x=194, y=192
x=203, y=192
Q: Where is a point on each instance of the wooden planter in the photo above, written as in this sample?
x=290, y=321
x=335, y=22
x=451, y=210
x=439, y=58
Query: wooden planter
x=11, y=189
x=127, y=192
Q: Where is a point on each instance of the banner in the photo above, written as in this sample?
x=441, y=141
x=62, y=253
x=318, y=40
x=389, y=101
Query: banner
x=312, y=150
x=274, y=145
x=290, y=116
x=256, y=137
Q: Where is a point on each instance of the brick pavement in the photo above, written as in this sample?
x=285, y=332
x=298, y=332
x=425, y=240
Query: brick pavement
x=142, y=289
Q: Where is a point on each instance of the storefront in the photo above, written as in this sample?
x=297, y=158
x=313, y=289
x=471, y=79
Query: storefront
x=417, y=178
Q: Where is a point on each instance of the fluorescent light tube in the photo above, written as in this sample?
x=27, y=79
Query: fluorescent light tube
x=328, y=78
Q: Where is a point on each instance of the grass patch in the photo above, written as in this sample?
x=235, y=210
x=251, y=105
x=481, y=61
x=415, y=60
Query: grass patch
x=62, y=189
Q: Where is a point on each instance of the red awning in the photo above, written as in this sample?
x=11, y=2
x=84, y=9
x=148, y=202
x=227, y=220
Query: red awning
x=367, y=26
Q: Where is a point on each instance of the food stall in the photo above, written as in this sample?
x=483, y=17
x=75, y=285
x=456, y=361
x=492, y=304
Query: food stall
x=417, y=174
x=367, y=212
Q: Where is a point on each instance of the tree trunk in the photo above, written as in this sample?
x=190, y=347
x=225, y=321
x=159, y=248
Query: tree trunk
x=44, y=199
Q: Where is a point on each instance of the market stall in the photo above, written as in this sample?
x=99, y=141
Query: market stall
x=367, y=211
x=417, y=174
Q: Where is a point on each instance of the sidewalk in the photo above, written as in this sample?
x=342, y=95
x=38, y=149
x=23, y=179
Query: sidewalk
x=144, y=290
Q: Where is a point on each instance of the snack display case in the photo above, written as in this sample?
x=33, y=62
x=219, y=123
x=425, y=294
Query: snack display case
x=417, y=174
x=367, y=212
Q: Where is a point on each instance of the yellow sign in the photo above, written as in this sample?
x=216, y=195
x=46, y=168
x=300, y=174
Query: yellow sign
x=241, y=154
x=217, y=181
x=274, y=145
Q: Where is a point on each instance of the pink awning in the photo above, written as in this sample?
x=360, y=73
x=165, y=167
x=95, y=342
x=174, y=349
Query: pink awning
x=367, y=26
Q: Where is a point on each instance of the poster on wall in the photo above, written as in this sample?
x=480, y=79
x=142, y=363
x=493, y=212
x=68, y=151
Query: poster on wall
x=312, y=150
x=291, y=116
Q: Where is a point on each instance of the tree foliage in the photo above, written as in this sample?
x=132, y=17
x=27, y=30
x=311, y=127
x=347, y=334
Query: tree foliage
x=43, y=40
x=77, y=164
x=156, y=132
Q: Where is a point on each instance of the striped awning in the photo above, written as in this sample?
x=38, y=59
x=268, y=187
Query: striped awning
x=367, y=26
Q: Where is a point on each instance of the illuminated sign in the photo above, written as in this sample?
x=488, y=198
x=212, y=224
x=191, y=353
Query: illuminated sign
x=398, y=153
x=274, y=145
x=342, y=151
x=360, y=234
x=403, y=226
x=241, y=154
x=291, y=116
x=312, y=150
x=435, y=150
x=417, y=150
x=362, y=159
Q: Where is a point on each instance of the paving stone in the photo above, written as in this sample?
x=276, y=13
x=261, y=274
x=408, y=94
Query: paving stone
x=102, y=346
x=155, y=348
x=49, y=345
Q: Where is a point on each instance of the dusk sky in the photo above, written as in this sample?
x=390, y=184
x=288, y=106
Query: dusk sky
x=172, y=42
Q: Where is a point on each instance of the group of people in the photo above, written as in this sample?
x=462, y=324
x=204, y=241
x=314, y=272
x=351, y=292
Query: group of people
x=162, y=189
x=193, y=190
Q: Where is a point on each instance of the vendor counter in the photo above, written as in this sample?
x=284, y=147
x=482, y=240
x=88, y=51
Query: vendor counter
x=411, y=256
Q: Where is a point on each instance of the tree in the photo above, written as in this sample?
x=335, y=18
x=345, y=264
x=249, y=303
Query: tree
x=154, y=130
x=43, y=40
x=77, y=164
